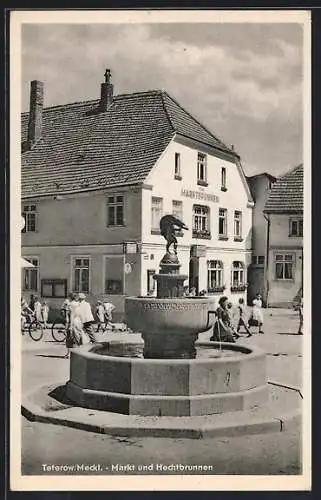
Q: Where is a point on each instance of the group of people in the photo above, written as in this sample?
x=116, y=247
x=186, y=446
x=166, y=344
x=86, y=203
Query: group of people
x=35, y=310
x=80, y=319
x=224, y=329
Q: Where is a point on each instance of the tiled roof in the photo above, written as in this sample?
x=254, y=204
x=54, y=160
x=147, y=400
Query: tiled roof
x=81, y=150
x=286, y=194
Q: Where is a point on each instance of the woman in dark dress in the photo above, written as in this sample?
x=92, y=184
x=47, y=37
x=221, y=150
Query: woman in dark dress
x=222, y=330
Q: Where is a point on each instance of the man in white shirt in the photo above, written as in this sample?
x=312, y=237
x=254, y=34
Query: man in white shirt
x=86, y=316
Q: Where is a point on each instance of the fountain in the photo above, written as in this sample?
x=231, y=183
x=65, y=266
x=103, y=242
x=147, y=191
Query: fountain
x=167, y=376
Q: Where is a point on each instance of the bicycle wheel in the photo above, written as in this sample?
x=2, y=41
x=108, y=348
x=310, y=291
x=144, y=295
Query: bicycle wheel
x=58, y=331
x=36, y=331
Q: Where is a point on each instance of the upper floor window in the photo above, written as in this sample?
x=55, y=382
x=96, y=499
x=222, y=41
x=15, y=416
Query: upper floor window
x=29, y=213
x=177, y=171
x=31, y=274
x=177, y=209
x=222, y=223
x=296, y=227
x=237, y=225
x=115, y=210
x=80, y=274
x=201, y=221
x=157, y=212
x=223, y=179
x=238, y=278
x=214, y=275
x=258, y=259
x=284, y=266
x=201, y=168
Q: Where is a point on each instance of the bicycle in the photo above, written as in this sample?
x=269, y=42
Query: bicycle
x=33, y=327
x=59, y=330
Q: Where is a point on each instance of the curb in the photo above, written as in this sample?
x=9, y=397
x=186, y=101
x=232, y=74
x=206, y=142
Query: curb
x=263, y=425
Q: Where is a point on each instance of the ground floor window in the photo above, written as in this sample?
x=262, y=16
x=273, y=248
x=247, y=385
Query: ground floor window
x=214, y=275
x=238, y=274
x=80, y=274
x=114, y=275
x=31, y=274
x=284, y=266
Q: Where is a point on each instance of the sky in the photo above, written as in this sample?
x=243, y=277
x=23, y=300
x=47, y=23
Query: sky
x=242, y=81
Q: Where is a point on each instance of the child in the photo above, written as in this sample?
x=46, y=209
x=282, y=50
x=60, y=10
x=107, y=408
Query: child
x=229, y=310
x=44, y=313
x=242, y=318
x=109, y=307
x=257, y=316
x=100, y=314
x=37, y=309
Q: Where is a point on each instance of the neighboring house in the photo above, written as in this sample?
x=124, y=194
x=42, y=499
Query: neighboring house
x=260, y=186
x=97, y=176
x=284, y=211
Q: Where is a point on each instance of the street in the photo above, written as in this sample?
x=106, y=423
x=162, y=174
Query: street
x=276, y=453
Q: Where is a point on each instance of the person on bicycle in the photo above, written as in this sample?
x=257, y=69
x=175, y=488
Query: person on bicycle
x=26, y=312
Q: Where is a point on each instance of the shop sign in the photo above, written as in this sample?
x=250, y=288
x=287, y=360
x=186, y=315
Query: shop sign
x=200, y=195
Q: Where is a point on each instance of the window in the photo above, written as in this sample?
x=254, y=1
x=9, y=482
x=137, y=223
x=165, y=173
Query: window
x=222, y=223
x=31, y=274
x=157, y=212
x=56, y=288
x=238, y=274
x=260, y=259
x=223, y=179
x=29, y=213
x=296, y=227
x=178, y=166
x=201, y=222
x=284, y=266
x=237, y=225
x=115, y=210
x=215, y=275
x=80, y=274
x=177, y=209
x=201, y=168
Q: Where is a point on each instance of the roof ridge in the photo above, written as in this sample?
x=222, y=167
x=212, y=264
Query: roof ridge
x=197, y=121
x=87, y=102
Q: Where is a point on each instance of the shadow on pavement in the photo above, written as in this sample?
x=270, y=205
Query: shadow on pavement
x=51, y=356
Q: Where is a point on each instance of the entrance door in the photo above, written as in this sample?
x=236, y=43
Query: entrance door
x=193, y=273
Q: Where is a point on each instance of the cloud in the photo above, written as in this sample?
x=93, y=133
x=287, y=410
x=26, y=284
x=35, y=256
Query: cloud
x=228, y=76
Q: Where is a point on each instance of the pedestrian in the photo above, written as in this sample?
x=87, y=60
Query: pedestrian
x=73, y=323
x=242, y=318
x=86, y=316
x=222, y=330
x=65, y=309
x=100, y=314
x=45, y=313
x=300, y=311
x=37, y=309
x=231, y=316
x=32, y=302
x=108, y=311
x=256, y=316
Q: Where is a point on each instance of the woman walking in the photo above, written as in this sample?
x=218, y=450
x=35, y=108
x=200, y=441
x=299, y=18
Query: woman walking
x=222, y=331
x=257, y=316
x=74, y=325
x=242, y=318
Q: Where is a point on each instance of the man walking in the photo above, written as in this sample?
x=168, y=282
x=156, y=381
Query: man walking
x=86, y=316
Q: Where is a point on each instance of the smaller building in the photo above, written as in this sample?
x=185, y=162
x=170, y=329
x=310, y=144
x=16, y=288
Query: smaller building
x=284, y=263
x=260, y=186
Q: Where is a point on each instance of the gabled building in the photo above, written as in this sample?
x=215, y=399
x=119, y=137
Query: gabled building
x=284, y=263
x=97, y=176
x=260, y=186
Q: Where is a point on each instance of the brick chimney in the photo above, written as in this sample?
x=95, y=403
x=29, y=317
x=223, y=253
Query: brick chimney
x=106, y=92
x=35, y=112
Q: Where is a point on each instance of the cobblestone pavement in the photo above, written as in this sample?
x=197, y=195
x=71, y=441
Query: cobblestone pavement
x=278, y=453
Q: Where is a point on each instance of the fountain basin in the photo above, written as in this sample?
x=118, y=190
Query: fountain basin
x=168, y=387
x=169, y=326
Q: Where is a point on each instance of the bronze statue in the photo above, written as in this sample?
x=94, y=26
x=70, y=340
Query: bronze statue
x=168, y=226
